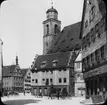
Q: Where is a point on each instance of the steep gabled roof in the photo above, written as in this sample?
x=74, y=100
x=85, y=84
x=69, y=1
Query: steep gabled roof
x=101, y=9
x=61, y=59
x=24, y=71
x=68, y=39
x=7, y=70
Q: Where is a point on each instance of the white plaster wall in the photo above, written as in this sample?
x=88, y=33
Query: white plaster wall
x=47, y=75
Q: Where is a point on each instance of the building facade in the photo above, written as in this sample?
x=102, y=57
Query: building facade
x=12, y=78
x=27, y=80
x=56, y=69
x=94, y=47
x=79, y=81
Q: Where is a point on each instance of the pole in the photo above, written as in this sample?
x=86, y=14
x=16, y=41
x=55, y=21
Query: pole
x=1, y=65
x=1, y=71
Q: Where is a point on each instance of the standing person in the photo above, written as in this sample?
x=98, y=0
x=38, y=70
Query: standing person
x=58, y=93
x=24, y=93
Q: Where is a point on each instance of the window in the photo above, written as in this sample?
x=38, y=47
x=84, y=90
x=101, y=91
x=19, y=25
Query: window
x=43, y=79
x=102, y=22
x=97, y=30
x=105, y=23
x=47, y=81
x=88, y=63
x=56, y=28
x=54, y=62
x=92, y=35
x=43, y=64
x=92, y=14
x=60, y=80
x=102, y=52
x=47, y=26
x=91, y=58
x=86, y=23
x=64, y=80
x=51, y=80
x=88, y=39
x=36, y=81
x=97, y=56
x=32, y=79
x=78, y=65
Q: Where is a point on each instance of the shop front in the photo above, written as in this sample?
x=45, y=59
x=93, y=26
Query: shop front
x=96, y=82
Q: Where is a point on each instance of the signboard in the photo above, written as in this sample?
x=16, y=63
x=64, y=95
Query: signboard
x=97, y=71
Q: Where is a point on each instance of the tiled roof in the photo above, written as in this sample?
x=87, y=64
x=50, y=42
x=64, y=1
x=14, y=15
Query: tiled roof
x=67, y=40
x=46, y=61
x=7, y=70
x=24, y=71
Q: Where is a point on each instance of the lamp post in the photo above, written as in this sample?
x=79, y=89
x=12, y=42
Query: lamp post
x=1, y=64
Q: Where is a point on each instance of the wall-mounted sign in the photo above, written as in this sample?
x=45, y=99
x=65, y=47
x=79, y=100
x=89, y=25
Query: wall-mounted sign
x=97, y=71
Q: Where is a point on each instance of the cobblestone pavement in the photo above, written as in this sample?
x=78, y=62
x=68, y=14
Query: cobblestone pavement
x=32, y=100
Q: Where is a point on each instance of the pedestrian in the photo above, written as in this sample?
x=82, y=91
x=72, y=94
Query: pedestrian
x=58, y=93
x=24, y=93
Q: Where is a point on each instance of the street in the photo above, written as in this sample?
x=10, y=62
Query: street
x=32, y=100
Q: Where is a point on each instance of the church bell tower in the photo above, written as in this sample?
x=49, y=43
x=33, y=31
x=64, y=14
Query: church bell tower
x=52, y=28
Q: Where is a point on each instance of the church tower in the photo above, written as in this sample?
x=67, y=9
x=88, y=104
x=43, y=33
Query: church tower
x=52, y=28
x=17, y=60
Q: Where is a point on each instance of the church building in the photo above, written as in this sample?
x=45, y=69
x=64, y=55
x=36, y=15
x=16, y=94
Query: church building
x=60, y=49
x=52, y=27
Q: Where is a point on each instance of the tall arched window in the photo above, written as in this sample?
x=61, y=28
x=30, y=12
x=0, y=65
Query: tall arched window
x=47, y=26
x=56, y=28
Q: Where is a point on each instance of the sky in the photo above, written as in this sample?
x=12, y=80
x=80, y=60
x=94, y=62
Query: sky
x=21, y=26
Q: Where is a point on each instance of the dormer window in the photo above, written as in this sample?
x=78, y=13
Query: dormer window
x=43, y=64
x=35, y=68
x=54, y=62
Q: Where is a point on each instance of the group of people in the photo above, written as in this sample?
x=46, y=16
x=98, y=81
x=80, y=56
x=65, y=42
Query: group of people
x=57, y=92
x=54, y=92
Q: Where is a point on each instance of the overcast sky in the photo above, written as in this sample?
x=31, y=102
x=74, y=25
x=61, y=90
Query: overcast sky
x=21, y=28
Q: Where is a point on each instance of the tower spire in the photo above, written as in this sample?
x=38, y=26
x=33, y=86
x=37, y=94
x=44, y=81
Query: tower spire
x=52, y=3
x=16, y=59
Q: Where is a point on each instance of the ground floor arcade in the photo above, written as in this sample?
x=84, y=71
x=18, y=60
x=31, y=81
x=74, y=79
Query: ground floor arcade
x=36, y=90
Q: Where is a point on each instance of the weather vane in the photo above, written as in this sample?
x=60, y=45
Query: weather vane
x=52, y=3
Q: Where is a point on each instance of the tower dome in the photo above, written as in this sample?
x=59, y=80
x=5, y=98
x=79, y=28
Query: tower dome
x=52, y=10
